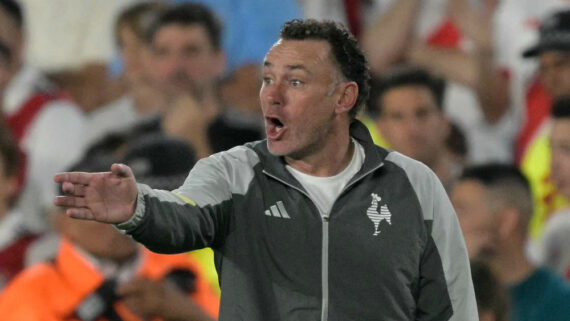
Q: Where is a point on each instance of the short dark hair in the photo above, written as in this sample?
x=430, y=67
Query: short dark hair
x=188, y=14
x=138, y=18
x=561, y=108
x=13, y=9
x=505, y=183
x=344, y=48
x=402, y=76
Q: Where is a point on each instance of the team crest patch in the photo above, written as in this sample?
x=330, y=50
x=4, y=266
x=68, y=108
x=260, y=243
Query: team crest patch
x=378, y=215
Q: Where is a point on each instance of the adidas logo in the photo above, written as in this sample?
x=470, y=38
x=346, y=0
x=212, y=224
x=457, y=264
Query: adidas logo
x=277, y=210
x=378, y=216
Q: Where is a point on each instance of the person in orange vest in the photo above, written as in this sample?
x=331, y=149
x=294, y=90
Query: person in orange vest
x=98, y=273
x=101, y=274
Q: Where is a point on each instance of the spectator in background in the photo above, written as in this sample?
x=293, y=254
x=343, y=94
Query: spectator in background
x=15, y=237
x=142, y=98
x=407, y=102
x=494, y=205
x=72, y=42
x=554, y=244
x=250, y=28
x=186, y=64
x=435, y=35
x=47, y=126
x=552, y=51
x=491, y=296
x=97, y=272
x=186, y=61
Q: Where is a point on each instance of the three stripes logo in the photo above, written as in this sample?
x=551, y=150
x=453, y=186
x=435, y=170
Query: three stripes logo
x=378, y=216
x=277, y=210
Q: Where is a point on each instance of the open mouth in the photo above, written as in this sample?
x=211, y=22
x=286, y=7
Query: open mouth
x=273, y=127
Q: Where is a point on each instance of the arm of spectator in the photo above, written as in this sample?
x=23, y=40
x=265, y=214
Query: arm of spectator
x=492, y=85
x=386, y=39
x=149, y=298
x=449, y=63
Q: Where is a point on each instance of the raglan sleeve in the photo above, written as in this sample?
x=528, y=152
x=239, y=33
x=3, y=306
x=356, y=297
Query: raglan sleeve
x=446, y=287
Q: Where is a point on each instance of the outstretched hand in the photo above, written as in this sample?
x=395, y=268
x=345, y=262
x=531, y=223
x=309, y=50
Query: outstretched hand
x=108, y=197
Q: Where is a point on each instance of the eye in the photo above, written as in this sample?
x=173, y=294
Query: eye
x=296, y=83
x=267, y=80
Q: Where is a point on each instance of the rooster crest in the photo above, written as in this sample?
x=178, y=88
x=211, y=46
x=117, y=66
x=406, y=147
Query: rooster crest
x=378, y=216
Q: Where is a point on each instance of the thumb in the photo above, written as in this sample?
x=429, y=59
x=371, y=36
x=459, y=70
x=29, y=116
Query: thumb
x=121, y=170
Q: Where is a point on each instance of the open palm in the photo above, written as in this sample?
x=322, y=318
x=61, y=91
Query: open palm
x=108, y=197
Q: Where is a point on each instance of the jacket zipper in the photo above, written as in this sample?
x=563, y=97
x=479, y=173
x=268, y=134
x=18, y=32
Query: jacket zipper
x=325, y=269
x=324, y=252
x=325, y=241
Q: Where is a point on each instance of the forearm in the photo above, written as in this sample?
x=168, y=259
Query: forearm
x=385, y=40
x=492, y=87
x=167, y=223
x=451, y=64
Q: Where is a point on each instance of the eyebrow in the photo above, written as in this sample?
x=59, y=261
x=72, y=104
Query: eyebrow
x=289, y=67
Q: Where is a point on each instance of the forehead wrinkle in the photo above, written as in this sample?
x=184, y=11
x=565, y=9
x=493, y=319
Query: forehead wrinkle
x=290, y=67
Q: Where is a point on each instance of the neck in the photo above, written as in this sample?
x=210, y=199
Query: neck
x=512, y=266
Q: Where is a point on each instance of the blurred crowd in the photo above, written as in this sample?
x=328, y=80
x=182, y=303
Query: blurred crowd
x=477, y=90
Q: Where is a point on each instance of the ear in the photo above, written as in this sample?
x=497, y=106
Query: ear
x=509, y=222
x=347, y=97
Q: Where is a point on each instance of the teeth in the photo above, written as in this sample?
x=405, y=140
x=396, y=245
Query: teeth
x=278, y=128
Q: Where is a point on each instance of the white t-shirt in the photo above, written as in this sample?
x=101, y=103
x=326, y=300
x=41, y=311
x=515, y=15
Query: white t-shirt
x=325, y=190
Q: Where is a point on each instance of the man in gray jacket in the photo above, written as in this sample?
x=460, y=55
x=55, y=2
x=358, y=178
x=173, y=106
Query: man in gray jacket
x=313, y=223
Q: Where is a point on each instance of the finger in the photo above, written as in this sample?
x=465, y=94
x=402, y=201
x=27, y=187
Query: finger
x=121, y=170
x=73, y=189
x=70, y=201
x=74, y=177
x=80, y=213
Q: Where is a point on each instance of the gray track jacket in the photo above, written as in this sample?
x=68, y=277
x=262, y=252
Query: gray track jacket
x=390, y=249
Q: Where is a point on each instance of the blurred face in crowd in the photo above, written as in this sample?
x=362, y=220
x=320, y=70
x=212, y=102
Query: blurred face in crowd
x=184, y=59
x=135, y=55
x=560, y=161
x=555, y=72
x=468, y=198
x=11, y=49
x=412, y=123
x=299, y=96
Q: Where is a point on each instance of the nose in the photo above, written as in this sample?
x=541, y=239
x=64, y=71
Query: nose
x=271, y=94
